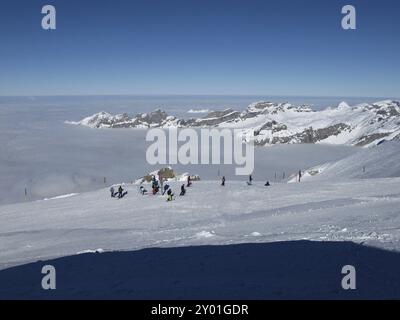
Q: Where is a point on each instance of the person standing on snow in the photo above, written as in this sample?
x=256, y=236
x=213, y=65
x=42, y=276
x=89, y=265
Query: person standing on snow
x=223, y=181
x=143, y=191
x=155, y=189
x=250, y=180
x=189, y=182
x=155, y=186
x=112, y=191
x=170, y=195
x=183, y=190
x=154, y=182
x=160, y=178
x=120, y=190
x=166, y=188
x=299, y=175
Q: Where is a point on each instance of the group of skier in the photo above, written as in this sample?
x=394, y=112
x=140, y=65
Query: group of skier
x=158, y=186
x=119, y=194
x=249, y=182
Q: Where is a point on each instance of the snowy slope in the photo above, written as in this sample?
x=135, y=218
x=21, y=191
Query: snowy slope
x=287, y=241
x=382, y=161
x=324, y=211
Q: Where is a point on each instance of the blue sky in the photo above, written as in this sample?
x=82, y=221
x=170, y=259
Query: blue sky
x=286, y=47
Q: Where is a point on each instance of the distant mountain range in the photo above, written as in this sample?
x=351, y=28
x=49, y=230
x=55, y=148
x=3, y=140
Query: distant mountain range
x=279, y=123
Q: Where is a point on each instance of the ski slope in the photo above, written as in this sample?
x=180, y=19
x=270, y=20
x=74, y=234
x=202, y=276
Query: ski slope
x=286, y=241
x=360, y=211
x=382, y=161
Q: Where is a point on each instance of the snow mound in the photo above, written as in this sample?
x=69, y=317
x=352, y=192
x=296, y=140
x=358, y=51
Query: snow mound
x=205, y=234
x=90, y=251
x=256, y=234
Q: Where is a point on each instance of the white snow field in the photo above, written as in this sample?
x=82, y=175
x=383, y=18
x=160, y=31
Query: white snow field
x=381, y=162
x=347, y=220
x=360, y=211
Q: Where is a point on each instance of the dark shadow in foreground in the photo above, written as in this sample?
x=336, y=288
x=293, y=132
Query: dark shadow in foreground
x=284, y=270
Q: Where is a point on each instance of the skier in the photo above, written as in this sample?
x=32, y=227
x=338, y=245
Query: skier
x=223, y=181
x=112, y=192
x=143, y=191
x=166, y=188
x=267, y=184
x=183, y=190
x=250, y=181
x=153, y=181
x=170, y=195
x=160, y=178
x=120, y=191
x=299, y=175
x=155, y=186
x=155, y=190
x=189, y=182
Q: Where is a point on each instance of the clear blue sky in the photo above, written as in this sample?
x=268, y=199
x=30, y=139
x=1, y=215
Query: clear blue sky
x=286, y=47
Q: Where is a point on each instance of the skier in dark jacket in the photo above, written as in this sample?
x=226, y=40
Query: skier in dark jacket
x=143, y=191
x=170, y=195
x=267, y=184
x=161, y=180
x=155, y=189
x=155, y=186
x=223, y=181
x=120, y=191
x=189, y=182
x=183, y=190
x=166, y=188
x=300, y=175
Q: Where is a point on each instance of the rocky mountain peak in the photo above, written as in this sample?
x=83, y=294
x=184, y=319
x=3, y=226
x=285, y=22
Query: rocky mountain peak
x=280, y=123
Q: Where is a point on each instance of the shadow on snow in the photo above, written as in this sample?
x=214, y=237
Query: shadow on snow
x=282, y=270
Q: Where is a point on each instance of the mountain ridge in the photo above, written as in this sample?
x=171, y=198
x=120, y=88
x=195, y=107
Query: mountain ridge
x=270, y=123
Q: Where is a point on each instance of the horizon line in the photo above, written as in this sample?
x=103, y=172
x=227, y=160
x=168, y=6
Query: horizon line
x=193, y=95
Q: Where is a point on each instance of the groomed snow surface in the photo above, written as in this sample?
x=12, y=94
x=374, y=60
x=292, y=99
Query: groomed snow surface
x=238, y=241
x=380, y=162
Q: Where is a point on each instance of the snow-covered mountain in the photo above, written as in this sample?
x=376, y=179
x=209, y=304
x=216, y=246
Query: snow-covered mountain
x=157, y=118
x=280, y=123
x=360, y=125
